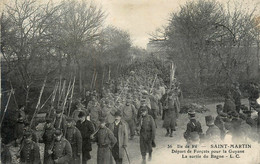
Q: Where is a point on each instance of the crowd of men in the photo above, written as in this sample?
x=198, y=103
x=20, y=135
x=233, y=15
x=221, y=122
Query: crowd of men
x=124, y=109
x=234, y=122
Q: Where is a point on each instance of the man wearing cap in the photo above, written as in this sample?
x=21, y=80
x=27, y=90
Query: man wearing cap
x=60, y=120
x=47, y=139
x=213, y=132
x=147, y=133
x=61, y=150
x=171, y=112
x=73, y=135
x=192, y=126
x=86, y=128
x=105, y=140
x=30, y=152
x=119, y=129
x=129, y=115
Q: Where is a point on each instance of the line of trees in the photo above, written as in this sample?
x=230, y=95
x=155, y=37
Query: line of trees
x=56, y=40
x=213, y=44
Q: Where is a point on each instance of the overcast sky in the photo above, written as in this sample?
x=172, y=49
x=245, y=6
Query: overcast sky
x=142, y=17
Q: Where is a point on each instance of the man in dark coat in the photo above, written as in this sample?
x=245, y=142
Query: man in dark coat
x=73, y=135
x=47, y=139
x=105, y=140
x=192, y=126
x=30, y=152
x=61, y=150
x=120, y=131
x=86, y=128
x=147, y=134
x=213, y=132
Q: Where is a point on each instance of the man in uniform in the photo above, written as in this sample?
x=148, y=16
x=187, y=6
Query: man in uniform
x=30, y=152
x=147, y=134
x=47, y=139
x=86, y=128
x=73, y=135
x=192, y=126
x=119, y=129
x=61, y=151
x=105, y=140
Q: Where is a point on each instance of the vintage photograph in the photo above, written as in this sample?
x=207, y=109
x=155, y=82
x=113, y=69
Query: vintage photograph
x=130, y=81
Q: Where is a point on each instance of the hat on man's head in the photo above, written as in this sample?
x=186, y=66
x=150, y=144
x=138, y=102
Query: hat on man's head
x=27, y=133
x=81, y=114
x=219, y=106
x=144, y=108
x=118, y=113
x=191, y=113
x=58, y=132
